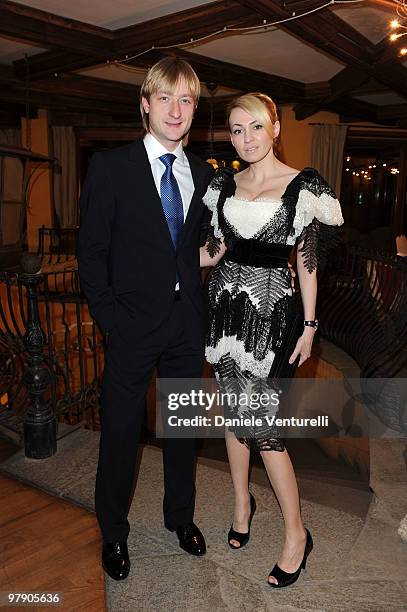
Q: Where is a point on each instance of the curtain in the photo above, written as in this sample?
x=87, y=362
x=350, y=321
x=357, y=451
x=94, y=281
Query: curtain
x=65, y=184
x=328, y=142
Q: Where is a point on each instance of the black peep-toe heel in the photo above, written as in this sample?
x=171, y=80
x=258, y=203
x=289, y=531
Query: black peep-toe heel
x=284, y=578
x=242, y=538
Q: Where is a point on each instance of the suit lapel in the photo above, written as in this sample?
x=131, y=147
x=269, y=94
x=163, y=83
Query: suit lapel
x=194, y=206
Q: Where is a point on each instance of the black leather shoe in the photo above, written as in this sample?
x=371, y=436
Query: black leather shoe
x=115, y=560
x=191, y=539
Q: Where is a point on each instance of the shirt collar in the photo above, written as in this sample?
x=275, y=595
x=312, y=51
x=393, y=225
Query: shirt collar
x=155, y=149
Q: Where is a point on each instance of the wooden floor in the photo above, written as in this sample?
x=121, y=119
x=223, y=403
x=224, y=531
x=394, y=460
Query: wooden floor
x=48, y=545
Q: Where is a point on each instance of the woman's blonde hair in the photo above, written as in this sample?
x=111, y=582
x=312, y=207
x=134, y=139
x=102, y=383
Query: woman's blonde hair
x=259, y=106
x=165, y=75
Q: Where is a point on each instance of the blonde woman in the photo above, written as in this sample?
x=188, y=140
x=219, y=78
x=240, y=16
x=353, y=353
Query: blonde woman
x=257, y=218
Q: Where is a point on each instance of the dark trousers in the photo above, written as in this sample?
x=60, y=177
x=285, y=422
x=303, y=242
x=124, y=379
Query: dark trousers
x=128, y=372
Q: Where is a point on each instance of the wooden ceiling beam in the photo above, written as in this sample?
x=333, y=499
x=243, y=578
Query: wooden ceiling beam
x=371, y=87
x=303, y=110
x=39, y=28
x=324, y=30
x=387, y=51
x=394, y=76
x=231, y=75
x=84, y=95
x=352, y=109
x=346, y=81
x=75, y=85
x=51, y=63
x=189, y=24
x=396, y=112
x=327, y=32
x=316, y=91
x=43, y=98
x=341, y=84
x=166, y=30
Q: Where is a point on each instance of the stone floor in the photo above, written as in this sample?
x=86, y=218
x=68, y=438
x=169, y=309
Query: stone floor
x=358, y=563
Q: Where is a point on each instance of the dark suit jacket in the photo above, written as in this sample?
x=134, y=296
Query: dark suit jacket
x=127, y=262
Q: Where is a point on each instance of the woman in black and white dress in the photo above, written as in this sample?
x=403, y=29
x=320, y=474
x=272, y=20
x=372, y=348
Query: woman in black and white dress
x=255, y=219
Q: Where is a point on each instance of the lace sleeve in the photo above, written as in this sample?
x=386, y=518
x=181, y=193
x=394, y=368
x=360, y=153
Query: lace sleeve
x=211, y=233
x=317, y=218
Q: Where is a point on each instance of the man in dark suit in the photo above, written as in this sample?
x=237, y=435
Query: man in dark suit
x=141, y=210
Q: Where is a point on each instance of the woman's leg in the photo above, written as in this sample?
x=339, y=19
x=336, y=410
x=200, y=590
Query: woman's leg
x=281, y=473
x=239, y=458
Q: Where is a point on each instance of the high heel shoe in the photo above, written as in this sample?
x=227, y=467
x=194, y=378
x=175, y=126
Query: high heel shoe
x=284, y=578
x=242, y=538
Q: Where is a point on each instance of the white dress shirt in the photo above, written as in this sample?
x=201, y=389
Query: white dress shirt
x=180, y=168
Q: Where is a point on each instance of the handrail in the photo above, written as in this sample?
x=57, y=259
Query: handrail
x=362, y=308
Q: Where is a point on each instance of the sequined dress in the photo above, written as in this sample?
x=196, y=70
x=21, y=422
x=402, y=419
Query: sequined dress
x=251, y=307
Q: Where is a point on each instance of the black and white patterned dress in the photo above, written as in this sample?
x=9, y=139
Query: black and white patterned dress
x=252, y=303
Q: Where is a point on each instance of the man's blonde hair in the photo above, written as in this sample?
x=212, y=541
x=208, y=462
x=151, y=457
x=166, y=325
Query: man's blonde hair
x=165, y=75
x=259, y=106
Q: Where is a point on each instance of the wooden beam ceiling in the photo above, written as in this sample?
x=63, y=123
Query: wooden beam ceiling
x=231, y=75
x=92, y=45
x=43, y=29
x=77, y=94
x=167, y=30
x=324, y=30
x=188, y=24
x=327, y=32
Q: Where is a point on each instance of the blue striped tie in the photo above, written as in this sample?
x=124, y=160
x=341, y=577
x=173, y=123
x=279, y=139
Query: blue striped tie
x=171, y=199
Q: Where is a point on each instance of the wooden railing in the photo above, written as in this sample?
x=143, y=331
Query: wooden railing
x=362, y=309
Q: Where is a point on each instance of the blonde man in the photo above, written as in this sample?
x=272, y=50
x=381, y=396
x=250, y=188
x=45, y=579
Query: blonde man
x=141, y=210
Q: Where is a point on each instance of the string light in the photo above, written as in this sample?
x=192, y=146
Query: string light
x=395, y=24
x=261, y=28
x=364, y=173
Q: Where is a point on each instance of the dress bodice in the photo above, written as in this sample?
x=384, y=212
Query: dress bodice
x=308, y=214
x=248, y=217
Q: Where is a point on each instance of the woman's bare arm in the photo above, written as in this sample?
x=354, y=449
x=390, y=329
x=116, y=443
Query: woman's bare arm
x=308, y=286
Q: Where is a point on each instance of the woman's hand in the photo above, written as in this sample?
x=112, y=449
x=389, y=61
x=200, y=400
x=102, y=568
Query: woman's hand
x=205, y=260
x=293, y=275
x=303, y=346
